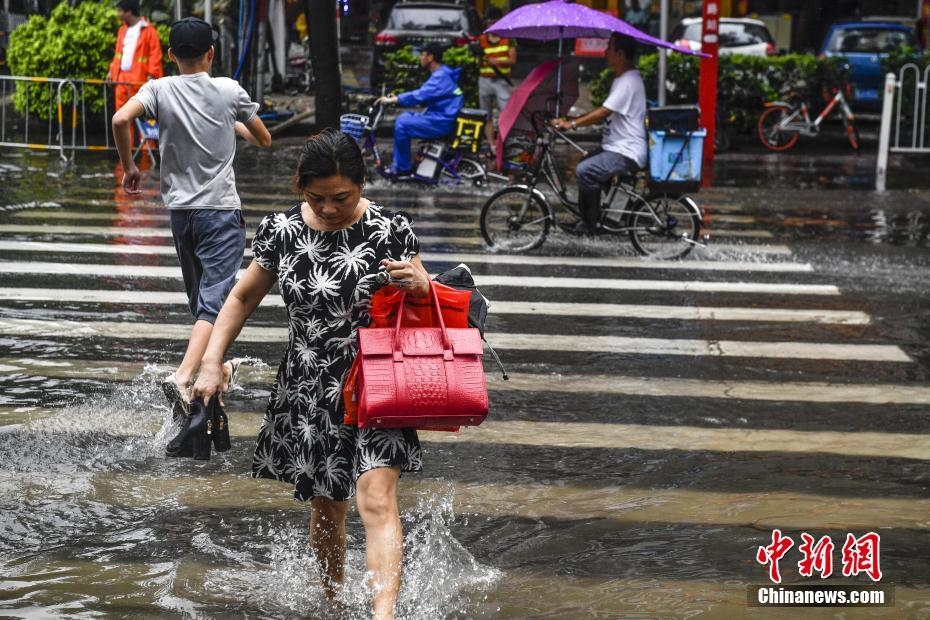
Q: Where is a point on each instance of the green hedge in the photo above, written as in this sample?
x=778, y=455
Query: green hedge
x=744, y=83
x=404, y=73
x=70, y=43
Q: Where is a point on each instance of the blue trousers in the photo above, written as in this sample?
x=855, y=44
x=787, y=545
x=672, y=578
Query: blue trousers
x=409, y=126
x=592, y=172
x=209, y=243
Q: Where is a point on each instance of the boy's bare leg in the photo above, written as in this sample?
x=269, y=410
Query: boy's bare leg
x=196, y=347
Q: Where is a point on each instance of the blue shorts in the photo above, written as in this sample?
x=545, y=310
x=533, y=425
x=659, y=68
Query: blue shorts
x=210, y=244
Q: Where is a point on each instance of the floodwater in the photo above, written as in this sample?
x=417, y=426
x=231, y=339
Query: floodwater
x=607, y=483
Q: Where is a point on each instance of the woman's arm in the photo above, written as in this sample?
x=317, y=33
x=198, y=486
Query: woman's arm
x=239, y=306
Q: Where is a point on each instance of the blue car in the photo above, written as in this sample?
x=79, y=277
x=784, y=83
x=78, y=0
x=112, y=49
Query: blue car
x=864, y=44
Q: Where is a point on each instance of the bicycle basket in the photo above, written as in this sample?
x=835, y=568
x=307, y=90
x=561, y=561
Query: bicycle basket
x=353, y=125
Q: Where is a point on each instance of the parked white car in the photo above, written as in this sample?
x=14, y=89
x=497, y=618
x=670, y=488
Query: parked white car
x=738, y=35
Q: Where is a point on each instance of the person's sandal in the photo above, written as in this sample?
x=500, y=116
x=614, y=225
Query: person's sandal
x=178, y=397
x=231, y=373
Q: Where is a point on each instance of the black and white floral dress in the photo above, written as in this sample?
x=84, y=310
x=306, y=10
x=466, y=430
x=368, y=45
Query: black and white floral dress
x=326, y=279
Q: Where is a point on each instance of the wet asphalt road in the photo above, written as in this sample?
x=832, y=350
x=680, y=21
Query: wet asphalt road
x=661, y=419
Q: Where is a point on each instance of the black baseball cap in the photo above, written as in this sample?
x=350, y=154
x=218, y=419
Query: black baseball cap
x=191, y=37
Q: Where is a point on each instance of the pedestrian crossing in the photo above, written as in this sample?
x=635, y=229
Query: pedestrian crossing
x=647, y=333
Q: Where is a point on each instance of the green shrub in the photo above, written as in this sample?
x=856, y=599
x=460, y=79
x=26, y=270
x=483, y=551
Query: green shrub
x=71, y=43
x=744, y=83
x=404, y=73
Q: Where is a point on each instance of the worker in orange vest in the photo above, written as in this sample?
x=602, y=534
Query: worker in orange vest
x=138, y=52
x=499, y=55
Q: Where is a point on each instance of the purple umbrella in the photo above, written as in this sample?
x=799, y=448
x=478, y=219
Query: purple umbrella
x=561, y=19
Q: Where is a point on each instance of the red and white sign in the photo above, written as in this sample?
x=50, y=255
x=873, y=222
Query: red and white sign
x=707, y=83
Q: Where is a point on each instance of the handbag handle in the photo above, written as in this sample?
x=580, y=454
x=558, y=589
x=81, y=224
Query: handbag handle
x=446, y=343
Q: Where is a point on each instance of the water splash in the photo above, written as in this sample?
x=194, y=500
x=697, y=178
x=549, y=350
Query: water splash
x=276, y=571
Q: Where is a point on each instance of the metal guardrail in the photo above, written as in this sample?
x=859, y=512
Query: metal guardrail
x=895, y=115
x=57, y=112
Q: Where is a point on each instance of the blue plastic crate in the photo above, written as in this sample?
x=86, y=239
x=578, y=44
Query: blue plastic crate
x=353, y=125
x=670, y=163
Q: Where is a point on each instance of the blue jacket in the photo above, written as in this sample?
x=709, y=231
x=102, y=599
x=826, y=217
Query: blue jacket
x=440, y=94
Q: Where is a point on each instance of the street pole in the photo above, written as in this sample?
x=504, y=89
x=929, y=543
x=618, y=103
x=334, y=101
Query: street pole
x=663, y=53
x=208, y=11
x=177, y=10
x=707, y=84
x=884, y=134
x=324, y=54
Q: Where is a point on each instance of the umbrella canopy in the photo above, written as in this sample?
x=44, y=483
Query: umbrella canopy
x=561, y=19
x=543, y=90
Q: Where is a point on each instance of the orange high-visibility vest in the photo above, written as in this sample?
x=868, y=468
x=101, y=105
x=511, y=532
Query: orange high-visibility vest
x=146, y=62
x=501, y=49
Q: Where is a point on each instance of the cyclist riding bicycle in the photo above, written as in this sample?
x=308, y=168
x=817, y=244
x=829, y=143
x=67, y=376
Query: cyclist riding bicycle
x=443, y=99
x=623, y=145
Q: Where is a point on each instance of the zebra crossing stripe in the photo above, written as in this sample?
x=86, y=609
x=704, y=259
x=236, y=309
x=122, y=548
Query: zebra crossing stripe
x=690, y=438
x=166, y=249
x=660, y=387
x=145, y=271
x=657, y=285
x=126, y=231
x=113, y=231
x=534, y=342
x=607, y=436
x=787, y=391
x=699, y=348
x=696, y=313
x=624, y=503
x=618, y=262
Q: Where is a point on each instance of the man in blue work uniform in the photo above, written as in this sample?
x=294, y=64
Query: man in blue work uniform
x=441, y=96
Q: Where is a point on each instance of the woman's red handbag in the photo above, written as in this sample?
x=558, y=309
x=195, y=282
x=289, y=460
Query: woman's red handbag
x=418, y=311
x=421, y=377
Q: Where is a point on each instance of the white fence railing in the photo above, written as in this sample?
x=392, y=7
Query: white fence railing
x=904, y=123
x=65, y=130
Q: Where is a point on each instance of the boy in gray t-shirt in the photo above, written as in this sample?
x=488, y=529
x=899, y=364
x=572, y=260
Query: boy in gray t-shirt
x=198, y=118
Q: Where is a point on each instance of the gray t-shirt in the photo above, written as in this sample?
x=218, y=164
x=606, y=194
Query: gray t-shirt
x=196, y=117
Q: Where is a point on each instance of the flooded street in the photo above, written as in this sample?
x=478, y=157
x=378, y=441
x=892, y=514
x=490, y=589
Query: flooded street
x=661, y=420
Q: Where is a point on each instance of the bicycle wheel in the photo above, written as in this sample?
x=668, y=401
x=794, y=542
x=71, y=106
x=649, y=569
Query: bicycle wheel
x=852, y=132
x=664, y=225
x=515, y=220
x=770, y=132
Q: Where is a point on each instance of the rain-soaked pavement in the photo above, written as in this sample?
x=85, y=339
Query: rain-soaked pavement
x=661, y=421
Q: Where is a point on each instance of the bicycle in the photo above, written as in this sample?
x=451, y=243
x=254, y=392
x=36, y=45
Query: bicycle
x=784, y=121
x=517, y=218
x=436, y=162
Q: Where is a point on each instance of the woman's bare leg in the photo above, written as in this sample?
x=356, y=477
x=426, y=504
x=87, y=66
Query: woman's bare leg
x=328, y=541
x=384, y=539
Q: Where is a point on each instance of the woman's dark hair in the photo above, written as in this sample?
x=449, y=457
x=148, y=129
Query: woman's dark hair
x=327, y=154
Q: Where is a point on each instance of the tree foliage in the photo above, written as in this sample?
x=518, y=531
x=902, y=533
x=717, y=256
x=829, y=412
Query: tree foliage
x=744, y=83
x=72, y=42
x=404, y=73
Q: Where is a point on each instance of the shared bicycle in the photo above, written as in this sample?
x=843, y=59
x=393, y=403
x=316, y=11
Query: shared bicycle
x=784, y=121
x=660, y=224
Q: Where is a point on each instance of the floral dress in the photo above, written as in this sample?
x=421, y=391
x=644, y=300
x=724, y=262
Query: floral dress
x=326, y=279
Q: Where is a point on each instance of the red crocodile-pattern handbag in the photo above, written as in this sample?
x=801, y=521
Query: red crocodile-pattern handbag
x=421, y=377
